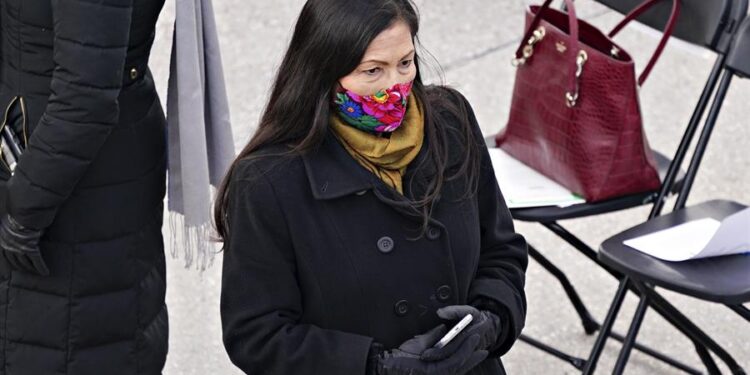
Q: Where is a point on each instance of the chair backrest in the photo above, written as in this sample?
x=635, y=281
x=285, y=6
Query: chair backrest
x=739, y=57
x=707, y=23
x=737, y=63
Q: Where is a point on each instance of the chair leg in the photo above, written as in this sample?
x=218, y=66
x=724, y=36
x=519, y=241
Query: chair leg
x=627, y=346
x=689, y=329
x=589, y=323
x=706, y=358
x=606, y=331
x=742, y=310
x=591, y=254
x=571, y=239
x=657, y=355
x=575, y=361
x=582, y=247
x=579, y=363
x=629, y=343
x=606, y=328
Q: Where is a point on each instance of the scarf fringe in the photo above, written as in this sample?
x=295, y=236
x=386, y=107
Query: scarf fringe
x=195, y=242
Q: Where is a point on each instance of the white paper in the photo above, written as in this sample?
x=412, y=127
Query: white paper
x=522, y=186
x=698, y=239
x=733, y=236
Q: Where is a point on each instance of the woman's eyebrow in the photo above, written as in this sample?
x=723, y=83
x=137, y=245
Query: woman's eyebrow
x=407, y=55
x=384, y=62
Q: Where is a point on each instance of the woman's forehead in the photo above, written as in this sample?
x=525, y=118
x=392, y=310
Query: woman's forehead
x=392, y=44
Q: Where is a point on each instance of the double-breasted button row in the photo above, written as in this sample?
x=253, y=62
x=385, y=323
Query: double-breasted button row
x=444, y=293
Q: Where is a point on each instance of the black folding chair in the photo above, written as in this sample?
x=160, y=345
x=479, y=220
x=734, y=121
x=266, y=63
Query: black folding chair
x=708, y=24
x=724, y=280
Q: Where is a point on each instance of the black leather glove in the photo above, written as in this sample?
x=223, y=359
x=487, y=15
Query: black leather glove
x=485, y=325
x=406, y=360
x=20, y=247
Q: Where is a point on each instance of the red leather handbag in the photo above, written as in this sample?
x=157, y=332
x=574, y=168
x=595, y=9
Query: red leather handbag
x=575, y=114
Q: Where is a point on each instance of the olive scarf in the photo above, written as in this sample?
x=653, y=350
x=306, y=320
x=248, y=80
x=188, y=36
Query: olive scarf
x=386, y=157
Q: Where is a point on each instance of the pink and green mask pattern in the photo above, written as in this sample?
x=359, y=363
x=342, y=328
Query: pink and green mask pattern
x=380, y=113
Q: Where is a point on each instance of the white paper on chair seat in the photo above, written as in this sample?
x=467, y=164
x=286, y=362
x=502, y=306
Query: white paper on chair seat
x=698, y=239
x=522, y=186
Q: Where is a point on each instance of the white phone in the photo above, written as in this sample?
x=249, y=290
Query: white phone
x=454, y=331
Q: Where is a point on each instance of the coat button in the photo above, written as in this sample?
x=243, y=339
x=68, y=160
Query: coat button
x=444, y=293
x=401, y=308
x=133, y=73
x=433, y=233
x=385, y=245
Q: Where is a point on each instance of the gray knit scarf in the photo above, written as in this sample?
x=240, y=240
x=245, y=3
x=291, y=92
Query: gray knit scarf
x=201, y=145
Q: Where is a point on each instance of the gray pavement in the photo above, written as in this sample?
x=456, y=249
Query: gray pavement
x=474, y=40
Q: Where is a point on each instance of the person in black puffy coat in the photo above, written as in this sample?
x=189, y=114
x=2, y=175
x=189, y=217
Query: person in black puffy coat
x=82, y=276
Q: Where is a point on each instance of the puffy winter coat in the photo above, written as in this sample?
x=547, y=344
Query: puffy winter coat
x=74, y=81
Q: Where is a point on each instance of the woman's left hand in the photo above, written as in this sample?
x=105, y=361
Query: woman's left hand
x=485, y=324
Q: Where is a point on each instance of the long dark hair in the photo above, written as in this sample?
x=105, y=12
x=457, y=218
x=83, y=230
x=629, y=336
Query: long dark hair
x=329, y=41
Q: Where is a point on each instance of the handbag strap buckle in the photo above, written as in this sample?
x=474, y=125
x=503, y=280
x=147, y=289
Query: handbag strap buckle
x=528, y=49
x=571, y=98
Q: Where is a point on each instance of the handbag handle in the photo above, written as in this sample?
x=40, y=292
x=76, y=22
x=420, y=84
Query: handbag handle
x=533, y=36
x=668, y=30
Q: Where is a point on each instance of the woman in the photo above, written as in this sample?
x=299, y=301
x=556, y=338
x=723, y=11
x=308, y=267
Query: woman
x=82, y=280
x=364, y=216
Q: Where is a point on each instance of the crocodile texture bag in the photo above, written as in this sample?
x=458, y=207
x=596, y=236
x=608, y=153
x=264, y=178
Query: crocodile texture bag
x=575, y=114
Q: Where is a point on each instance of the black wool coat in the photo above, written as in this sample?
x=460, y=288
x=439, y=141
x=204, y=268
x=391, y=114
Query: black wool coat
x=317, y=265
x=93, y=179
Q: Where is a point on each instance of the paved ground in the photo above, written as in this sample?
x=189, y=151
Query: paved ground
x=473, y=40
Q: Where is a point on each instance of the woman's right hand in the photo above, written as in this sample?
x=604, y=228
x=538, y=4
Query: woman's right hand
x=407, y=359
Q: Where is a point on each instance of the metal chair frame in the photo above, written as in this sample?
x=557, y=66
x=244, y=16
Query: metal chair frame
x=647, y=293
x=669, y=185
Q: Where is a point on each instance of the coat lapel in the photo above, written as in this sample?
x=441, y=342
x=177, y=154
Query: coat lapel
x=333, y=173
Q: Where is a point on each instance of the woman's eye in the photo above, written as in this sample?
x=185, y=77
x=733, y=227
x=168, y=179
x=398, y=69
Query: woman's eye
x=406, y=63
x=372, y=71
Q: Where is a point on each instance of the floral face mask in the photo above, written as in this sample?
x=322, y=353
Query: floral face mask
x=380, y=113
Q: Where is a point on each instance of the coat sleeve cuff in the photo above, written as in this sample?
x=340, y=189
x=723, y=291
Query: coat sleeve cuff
x=495, y=296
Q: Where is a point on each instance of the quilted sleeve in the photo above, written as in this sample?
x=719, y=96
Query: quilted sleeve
x=90, y=45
